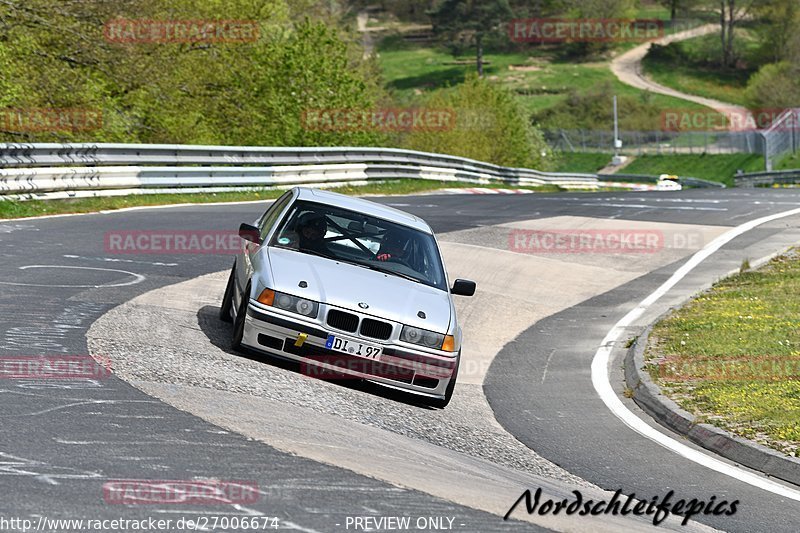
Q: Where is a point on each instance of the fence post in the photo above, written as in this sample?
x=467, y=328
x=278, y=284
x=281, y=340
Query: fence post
x=767, y=162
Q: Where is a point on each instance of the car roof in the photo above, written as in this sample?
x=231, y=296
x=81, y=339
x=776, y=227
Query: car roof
x=362, y=206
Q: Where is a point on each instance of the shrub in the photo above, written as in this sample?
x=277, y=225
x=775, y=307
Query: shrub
x=490, y=126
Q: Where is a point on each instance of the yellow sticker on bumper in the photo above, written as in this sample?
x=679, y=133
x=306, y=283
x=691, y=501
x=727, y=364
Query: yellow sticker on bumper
x=301, y=338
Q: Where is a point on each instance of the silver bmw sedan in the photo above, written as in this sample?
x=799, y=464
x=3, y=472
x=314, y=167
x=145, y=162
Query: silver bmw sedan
x=350, y=289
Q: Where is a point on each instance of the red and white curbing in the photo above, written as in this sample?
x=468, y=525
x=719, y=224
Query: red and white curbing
x=484, y=190
x=633, y=186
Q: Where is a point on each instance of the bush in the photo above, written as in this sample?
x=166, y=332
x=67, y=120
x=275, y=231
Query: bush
x=593, y=110
x=490, y=126
x=775, y=86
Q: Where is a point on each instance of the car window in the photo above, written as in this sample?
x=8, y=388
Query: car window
x=271, y=215
x=361, y=239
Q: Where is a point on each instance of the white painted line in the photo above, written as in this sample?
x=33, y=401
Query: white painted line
x=547, y=364
x=137, y=278
x=645, y=206
x=602, y=358
x=115, y=260
x=292, y=525
x=16, y=227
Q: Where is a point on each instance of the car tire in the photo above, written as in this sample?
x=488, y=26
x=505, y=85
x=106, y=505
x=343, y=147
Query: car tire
x=227, y=299
x=239, y=321
x=441, y=403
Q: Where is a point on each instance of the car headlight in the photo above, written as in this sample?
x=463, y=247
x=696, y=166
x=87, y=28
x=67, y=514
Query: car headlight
x=290, y=303
x=423, y=337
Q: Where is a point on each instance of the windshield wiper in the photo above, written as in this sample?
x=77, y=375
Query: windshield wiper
x=315, y=252
x=392, y=272
x=332, y=257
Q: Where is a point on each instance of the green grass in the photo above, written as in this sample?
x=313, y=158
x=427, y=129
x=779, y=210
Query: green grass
x=689, y=66
x=412, y=69
x=732, y=355
x=12, y=209
x=790, y=161
x=588, y=162
x=714, y=167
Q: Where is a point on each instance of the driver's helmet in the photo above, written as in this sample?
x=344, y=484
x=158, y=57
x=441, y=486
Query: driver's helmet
x=311, y=226
x=394, y=241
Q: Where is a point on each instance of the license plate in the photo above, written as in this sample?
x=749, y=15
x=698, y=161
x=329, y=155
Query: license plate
x=353, y=347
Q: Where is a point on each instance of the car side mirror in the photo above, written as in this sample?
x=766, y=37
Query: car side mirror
x=250, y=233
x=463, y=287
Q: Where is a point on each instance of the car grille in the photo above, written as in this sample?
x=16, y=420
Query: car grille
x=342, y=320
x=376, y=329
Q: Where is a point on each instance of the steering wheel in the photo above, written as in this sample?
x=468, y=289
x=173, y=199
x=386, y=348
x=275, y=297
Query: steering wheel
x=394, y=259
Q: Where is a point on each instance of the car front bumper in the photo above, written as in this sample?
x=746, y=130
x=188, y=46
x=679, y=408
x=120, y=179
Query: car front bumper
x=398, y=367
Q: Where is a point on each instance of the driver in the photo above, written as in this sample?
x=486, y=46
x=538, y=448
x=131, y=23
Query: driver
x=393, y=247
x=311, y=229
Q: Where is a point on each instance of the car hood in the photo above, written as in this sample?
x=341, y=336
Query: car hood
x=345, y=285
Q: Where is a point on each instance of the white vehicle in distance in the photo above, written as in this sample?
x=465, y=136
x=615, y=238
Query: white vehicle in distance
x=348, y=288
x=668, y=182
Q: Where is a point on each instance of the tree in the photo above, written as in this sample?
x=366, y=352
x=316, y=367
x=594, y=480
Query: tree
x=731, y=12
x=470, y=21
x=212, y=92
x=674, y=6
x=778, y=29
x=596, y=9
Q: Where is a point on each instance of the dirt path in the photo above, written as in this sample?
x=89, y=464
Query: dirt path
x=366, y=39
x=628, y=69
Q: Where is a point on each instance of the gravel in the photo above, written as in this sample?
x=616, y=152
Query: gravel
x=151, y=341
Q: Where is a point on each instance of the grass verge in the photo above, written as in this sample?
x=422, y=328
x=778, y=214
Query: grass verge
x=12, y=209
x=732, y=355
x=788, y=162
x=714, y=167
x=587, y=162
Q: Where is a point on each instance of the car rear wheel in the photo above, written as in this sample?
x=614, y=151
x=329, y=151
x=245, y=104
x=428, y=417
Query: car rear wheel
x=441, y=403
x=227, y=299
x=238, y=323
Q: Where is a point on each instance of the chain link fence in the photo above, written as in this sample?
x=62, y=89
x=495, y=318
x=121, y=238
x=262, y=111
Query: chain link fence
x=658, y=142
x=782, y=137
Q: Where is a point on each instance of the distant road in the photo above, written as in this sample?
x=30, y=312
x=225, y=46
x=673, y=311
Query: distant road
x=628, y=69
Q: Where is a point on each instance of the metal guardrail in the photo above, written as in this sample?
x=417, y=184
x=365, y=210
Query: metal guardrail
x=764, y=179
x=43, y=171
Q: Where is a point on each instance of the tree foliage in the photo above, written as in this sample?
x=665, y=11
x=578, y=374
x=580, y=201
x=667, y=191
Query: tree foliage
x=777, y=85
x=593, y=110
x=55, y=55
x=464, y=23
x=489, y=126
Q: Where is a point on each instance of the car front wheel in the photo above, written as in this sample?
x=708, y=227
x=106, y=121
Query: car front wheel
x=441, y=403
x=227, y=299
x=238, y=323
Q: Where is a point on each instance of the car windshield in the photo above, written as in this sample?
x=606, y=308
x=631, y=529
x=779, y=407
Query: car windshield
x=367, y=241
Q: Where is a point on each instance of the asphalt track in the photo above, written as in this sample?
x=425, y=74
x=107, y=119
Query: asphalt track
x=62, y=440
